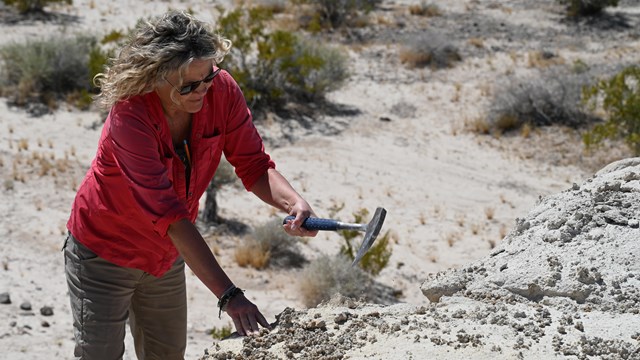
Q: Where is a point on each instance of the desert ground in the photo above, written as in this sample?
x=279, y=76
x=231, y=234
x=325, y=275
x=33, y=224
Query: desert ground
x=452, y=194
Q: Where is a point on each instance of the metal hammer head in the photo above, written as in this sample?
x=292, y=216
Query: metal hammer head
x=373, y=229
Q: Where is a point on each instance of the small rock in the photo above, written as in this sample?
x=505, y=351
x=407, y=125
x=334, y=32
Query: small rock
x=5, y=298
x=46, y=311
x=45, y=324
x=520, y=315
x=26, y=306
x=341, y=318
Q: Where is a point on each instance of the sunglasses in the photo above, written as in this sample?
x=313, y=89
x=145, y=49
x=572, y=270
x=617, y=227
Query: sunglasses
x=191, y=87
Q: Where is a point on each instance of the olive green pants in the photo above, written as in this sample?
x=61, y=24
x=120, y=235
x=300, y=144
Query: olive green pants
x=104, y=295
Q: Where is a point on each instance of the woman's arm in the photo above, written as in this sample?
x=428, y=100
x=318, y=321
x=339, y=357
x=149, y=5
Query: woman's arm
x=275, y=190
x=202, y=262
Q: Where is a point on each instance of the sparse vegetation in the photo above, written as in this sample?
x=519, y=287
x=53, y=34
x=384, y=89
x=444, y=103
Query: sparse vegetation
x=46, y=71
x=377, y=258
x=336, y=13
x=431, y=50
x=619, y=97
x=222, y=332
x=326, y=276
x=551, y=99
x=425, y=9
x=489, y=212
x=27, y=6
x=275, y=68
x=270, y=245
x=9, y=185
x=586, y=7
x=542, y=59
x=249, y=253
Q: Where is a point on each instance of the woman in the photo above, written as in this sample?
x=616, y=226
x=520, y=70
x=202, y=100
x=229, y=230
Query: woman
x=173, y=113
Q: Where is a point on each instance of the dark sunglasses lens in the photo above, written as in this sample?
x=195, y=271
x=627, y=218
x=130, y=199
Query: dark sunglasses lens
x=187, y=89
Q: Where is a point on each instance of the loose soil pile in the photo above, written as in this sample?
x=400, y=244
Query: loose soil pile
x=564, y=283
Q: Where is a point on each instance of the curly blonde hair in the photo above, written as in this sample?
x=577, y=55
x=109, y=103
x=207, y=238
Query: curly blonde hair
x=155, y=49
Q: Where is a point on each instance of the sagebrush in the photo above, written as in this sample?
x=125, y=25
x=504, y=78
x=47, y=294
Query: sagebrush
x=48, y=70
x=553, y=98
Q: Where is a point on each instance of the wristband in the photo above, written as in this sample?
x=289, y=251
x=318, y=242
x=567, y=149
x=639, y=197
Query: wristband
x=229, y=294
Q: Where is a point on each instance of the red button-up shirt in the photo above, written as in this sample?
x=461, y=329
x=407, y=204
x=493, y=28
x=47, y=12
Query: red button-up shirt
x=136, y=185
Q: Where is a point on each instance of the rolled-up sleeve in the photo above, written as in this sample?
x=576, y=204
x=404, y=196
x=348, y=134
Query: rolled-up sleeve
x=139, y=156
x=244, y=148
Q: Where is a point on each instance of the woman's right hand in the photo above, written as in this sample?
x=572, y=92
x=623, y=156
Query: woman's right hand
x=245, y=315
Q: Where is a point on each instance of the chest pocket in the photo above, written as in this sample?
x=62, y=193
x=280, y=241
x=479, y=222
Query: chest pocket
x=209, y=148
x=168, y=164
x=207, y=159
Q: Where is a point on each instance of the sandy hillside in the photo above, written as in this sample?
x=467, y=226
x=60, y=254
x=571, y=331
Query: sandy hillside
x=451, y=195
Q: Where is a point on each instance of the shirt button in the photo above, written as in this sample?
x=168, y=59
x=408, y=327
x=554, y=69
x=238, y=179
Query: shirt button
x=190, y=193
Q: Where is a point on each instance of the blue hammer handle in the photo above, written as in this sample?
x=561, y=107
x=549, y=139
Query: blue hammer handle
x=312, y=223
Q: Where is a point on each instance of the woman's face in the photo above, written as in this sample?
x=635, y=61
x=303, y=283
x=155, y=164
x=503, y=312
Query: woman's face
x=189, y=93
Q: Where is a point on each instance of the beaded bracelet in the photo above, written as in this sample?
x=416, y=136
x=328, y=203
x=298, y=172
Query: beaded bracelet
x=229, y=294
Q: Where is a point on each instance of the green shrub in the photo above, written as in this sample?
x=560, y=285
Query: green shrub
x=337, y=13
x=550, y=99
x=619, y=97
x=49, y=70
x=326, y=276
x=377, y=257
x=278, y=67
x=25, y=6
x=222, y=332
x=586, y=7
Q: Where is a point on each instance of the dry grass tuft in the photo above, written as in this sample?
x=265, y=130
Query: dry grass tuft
x=432, y=51
x=269, y=246
x=452, y=238
x=251, y=254
x=425, y=9
x=477, y=42
x=489, y=212
x=543, y=59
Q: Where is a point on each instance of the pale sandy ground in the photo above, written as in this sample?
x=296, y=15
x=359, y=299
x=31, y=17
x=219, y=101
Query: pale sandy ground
x=450, y=194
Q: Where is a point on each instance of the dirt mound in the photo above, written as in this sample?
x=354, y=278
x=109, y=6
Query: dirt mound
x=564, y=283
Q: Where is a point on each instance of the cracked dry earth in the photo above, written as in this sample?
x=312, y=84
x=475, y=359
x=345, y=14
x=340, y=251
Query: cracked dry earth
x=565, y=283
